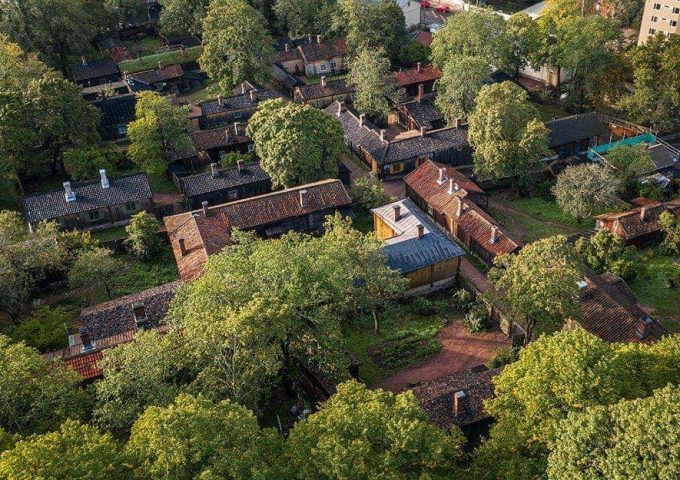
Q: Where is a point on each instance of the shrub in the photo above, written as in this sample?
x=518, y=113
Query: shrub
x=231, y=159
x=462, y=300
x=478, y=319
x=651, y=191
x=84, y=163
x=504, y=356
x=44, y=330
x=367, y=194
x=142, y=238
x=423, y=306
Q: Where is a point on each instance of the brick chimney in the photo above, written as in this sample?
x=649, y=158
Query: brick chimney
x=459, y=400
x=494, y=234
x=303, y=198
x=182, y=247
x=442, y=176
x=318, y=39
x=214, y=170
x=420, y=230
x=644, y=327
x=69, y=194
x=643, y=214
x=421, y=91
x=397, y=212
x=88, y=344
x=204, y=206
x=323, y=81
x=104, y=179
x=418, y=67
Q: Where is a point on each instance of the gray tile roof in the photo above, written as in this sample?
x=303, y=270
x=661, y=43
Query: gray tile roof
x=116, y=110
x=406, y=252
x=423, y=112
x=94, y=69
x=575, y=128
x=89, y=196
x=237, y=102
x=228, y=178
x=336, y=87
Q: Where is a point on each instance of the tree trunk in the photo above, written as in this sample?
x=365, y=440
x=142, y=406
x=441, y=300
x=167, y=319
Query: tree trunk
x=376, y=321
x=108, y=291
x=531, y=324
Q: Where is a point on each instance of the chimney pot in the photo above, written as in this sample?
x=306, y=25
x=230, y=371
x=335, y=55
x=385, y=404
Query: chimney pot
x=397, y=212
x=183, y=247
x=104, y=179
x=69, y=193
x=204, y=206
x=303, y=198
x=214, y=170
x=494, y=234
x=85, y=338
x=421, y=230
x=418, y=67
x=459, y=403
x=421, y=91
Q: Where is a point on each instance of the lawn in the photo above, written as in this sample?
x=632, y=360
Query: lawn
x=329, y=78
x=406, y=337
x=208, y=92
x=108, y=234
x=651, y=287
x=151, y=61
x=549, y=112
x=531, y=219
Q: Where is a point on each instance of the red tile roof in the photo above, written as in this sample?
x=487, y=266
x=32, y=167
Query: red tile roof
x=610, y=311
x=417, y=75
x=206, y=235
x=478, y=225
x=86, y=365
x=630, y=224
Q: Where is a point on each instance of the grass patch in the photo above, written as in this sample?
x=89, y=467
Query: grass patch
x=209, y=92
x=329, y=78
x=405, y=338
x=550, y=112
x=146, y=43
x=651, y=288
x=108, y=234
x=151, y=61
x=162, y=184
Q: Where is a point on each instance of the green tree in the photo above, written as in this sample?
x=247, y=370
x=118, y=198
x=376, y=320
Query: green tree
x=85, y=163
x=475, y=33
x=231, y=159
x=46, y=329
x=633, y=439
x=75, y=451
x=537, y=286
x=505, y=133
x=670, y=227
x=183, y=16
x=629, y=163
x=376, y=26
x=52, y=28
x=151, y=370
x=412, y=53
x=35, y=395
x=583, y=190
x=569, y=371
x=159, y=130
x=462, y=79
x=300, y=17
x=586, y=47
x=370, y=76
x=655, y=99
x=367, y=193
x=523, y=37
x=606, y=252
x=361, y=433
x=196, y=438
x=121, y=10
x=296, y=143
x=94, y=269
x=142, y=235
x=235, y=51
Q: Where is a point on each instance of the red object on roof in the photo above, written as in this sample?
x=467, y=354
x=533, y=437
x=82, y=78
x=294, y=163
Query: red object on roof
x=420, y=74
x=87, y=366
x=442, y=9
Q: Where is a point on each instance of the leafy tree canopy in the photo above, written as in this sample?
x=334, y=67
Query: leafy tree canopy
x=93, y=269
x=142, y=235
x=462, y=79
x=296, y=144
x=583, y=190
x=370, y=76
x=670, y=227
x=362, y=433
x=300, y=17
x=84, y=163
x=606, y=252
x=183, y=16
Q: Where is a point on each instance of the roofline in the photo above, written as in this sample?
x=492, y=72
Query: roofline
x=89, y=182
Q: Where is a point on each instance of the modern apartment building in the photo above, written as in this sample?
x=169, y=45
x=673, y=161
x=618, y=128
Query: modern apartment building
x=660, y=16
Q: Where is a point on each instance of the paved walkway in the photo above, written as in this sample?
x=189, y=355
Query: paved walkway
x=394, y=187
x=460, y=351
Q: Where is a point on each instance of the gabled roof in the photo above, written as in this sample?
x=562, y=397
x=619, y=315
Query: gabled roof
x=630, y=224
x=610, y=311
x=331, y=89
x=206, y=235
x=575, y=128
x=116, y=110
x=117, y=317
x=406, y=251
x=94, y=69
x=313, y=51
x=281, y=75
x=227, y=178
x=244, y=101
x=424, y=180
x=89, y=196
x=158, y=75
x=423, y=112
x=218, y=137
x=436, y=398
x=419, y=74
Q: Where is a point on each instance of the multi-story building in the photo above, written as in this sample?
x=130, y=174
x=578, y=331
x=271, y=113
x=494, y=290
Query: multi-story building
x=660, y=16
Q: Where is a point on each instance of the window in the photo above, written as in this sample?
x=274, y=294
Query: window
x=655, y=19
x=122, y=131
x=323, y=67
x=131, y=207
x=396, y=168
x=94, y=215
x=674, y=23
x=657, y=6
x=652, y=31
x=676, y=10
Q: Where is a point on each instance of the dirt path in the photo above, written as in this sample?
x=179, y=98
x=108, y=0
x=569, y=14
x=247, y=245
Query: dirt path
x=394, y=187
x=460, y=351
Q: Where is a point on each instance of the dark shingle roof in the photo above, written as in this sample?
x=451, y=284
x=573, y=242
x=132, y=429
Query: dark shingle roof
x=218, y=137
x=336, y=87
x=228, y=178
x=575, y=128
x=238, y=102
x=89, y=196
x=117, y=110
x=326, y=50
x=423, y=112
x=157, y=75
x=94, y=69
x=408, y=253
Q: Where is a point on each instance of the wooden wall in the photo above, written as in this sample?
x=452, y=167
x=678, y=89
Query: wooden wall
x=382, y=230
x=433, y=273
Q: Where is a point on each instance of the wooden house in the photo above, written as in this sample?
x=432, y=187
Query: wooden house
x=95, y=72
x=324, y=93
x=418, y=79
x=312, y=56
x=236, y=108
x=415, y=246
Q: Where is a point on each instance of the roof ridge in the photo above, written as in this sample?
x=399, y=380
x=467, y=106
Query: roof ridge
x=85, y=183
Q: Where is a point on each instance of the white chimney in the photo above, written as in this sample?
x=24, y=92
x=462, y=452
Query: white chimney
x=219, y=100
x=643, y=214
x=160, y=65
x=303, y=198
x=104, y=178
x=459, y=403
x=237, y=128
x=204, y=206
x=459, y=210
x=286, y=47
x=253, y=96
x=243, y=88
x=382, y=135
x=69, y=193
x=418, y=67
x=323, y=81
x=442, y=176
x=239, y=165
x=341, y=108
x=214, y=170
x=453, y=187
x=362, y=119
x=318, y=39
x=494, y=234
